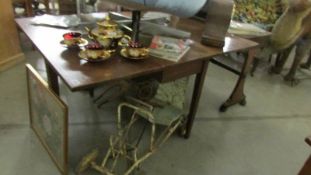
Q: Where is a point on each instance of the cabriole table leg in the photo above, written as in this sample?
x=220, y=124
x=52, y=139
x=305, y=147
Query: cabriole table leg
x=237, y=95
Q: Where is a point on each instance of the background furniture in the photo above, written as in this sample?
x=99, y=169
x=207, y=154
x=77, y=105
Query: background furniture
x=35, y=10
x=262, y=41
x=307, y=64
x=10, y=51
x=32, y=6
x=102, y=6
x=71, y=6
x=259, y=12
x=67, y=6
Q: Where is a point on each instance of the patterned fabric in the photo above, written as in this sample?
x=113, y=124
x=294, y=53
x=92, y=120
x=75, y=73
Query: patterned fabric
x=263, y=13
x=173, y=93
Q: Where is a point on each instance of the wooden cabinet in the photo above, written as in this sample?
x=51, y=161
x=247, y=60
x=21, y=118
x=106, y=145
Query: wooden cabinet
x=10, y=51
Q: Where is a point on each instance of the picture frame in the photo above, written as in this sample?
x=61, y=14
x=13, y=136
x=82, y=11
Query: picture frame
x=48, y=118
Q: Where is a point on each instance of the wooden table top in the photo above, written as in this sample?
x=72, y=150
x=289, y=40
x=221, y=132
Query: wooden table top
x=80, y=75
x=261, y=40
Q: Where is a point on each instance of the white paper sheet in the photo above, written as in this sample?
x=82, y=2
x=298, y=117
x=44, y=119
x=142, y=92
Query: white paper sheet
x=65, y=21
x=182, y=8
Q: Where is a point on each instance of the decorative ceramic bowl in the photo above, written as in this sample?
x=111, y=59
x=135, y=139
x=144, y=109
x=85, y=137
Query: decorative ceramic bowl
x=135, y=49
x=95, y=53
x=72, y=39
x=108, y=34
x=82, y=42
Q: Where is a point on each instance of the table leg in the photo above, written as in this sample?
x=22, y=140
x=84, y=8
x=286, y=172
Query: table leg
x=255, y=65
x=306, y=169
x=91, y=93
x=52, y=79
x=237, y=95
x=307, y=65
x=198, y=86
x=29, y=7
x=47, y=5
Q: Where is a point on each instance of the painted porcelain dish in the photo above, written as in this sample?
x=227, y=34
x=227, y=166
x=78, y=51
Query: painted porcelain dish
x=125, y=53
x=79, y=43
x=95, y=53
x=105, y=55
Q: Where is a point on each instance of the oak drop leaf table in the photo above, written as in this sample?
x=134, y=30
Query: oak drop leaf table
x=79, y=75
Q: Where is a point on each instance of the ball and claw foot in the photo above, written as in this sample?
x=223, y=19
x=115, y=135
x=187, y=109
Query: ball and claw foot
x=223, y=108
x=291, y=80
x=243, y=102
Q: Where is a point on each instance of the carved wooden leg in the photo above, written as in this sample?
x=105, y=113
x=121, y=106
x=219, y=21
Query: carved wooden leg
x=52, y=78
x=281, y=60
x=47, y=6
x=306, y=169
x=255, y=65
x=279, y=57
x=198, y=86
x=237, y=95
x=303, y=49
x=307, y=65
x=29, y=8
x=91, y=93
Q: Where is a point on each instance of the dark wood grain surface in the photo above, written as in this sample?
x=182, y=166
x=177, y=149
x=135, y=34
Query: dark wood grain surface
x=80, y=75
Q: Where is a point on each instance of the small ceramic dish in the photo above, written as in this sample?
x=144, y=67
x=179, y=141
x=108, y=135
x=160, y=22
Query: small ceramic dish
x=144, y=52
x=72, y=38
x=95, y=53
x=78, y=43
x=104, y=55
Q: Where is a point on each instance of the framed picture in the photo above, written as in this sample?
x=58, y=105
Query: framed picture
x=48, y=118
